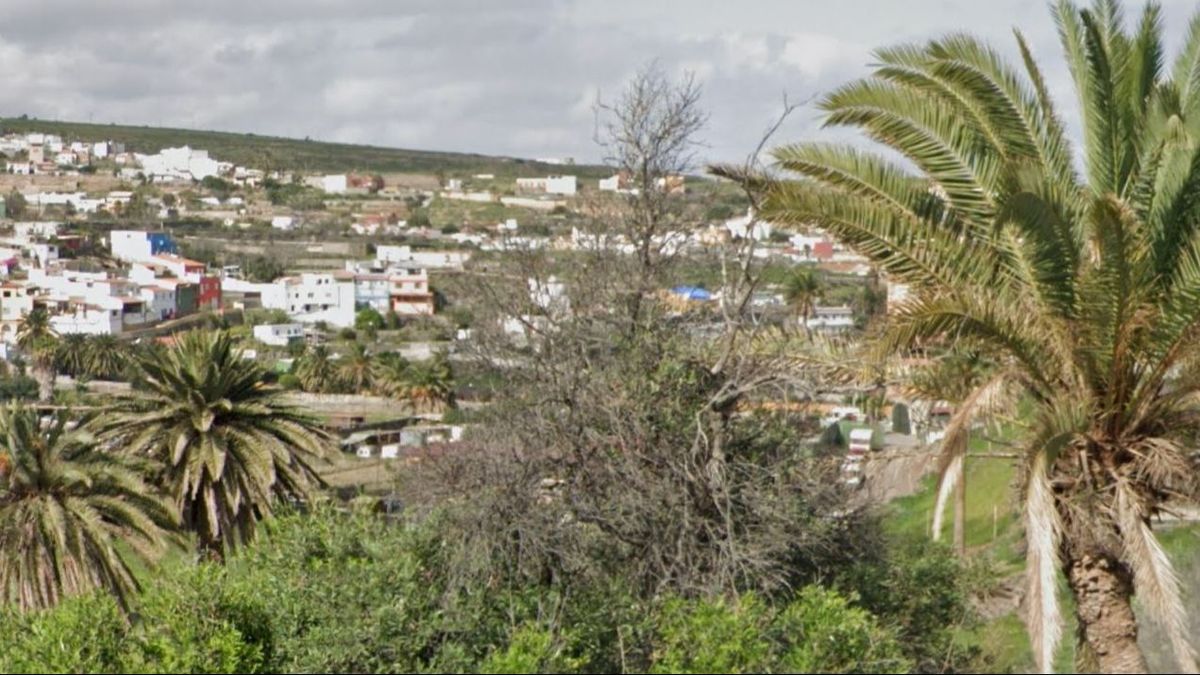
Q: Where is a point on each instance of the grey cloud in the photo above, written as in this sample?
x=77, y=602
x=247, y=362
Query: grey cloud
x=511, y=78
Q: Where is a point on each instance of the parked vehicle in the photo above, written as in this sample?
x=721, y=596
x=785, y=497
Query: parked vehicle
x=860, y=440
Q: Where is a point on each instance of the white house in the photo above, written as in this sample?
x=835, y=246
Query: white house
x=279, y=334
x=87, y=320
x=312, y=297
x=30, y=230
x=139, y=246
x=741, y=228
x=552, y=185
x=407, y=256
x=43, y=253
x=285, y=223
x=334, y=184
x=373, y=290
x=16, y=301
x=831, y=319
x=897, y=293
x=160, y=301
x=181, y=163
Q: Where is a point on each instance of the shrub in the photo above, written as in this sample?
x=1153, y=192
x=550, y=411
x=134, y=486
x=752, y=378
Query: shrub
x=289, y=381
x=193, y=621
x=919, y=589
x=82, y=635
x=818, y=631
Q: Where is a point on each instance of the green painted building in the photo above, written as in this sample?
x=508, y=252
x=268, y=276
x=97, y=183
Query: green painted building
x=187, y=299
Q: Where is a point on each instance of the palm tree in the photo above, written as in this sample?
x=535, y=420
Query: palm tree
x=107, y=357
x=1083, y=288
x=428, y=385
x=36, y=338
x=391, y=374
x=33, y=327
x=801, y=290
x=357, y=369
x=229, y=447
x=71, y=354
x=317, y=371
x=65, y=506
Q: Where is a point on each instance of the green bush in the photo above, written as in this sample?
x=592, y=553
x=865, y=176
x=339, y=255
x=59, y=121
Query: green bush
x=289, y=381
x=919, y=589
x=368, y=319
x=193, y=621
x=330, y=591
x=20, y=387
x=82, y=635
x=819, y=631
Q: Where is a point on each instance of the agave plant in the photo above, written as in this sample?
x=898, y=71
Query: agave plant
x=1082, y=290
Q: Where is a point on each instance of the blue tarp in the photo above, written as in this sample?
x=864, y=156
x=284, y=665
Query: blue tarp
x=692, y=292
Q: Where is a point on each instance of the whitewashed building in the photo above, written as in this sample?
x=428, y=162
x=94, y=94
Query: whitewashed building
x=279, y=334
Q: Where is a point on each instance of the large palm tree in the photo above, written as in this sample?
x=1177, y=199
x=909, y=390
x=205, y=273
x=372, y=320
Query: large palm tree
x=70, y=355
x=106, y=357
x=317, y=371
x=391, y=374
x=228, y=445
x=801, y=290
x=357, y=369
x=1084, y=288
x=66, y=508
x=36, y=337
x=428, y=386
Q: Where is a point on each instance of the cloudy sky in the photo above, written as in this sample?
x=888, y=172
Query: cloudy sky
x=511, y=77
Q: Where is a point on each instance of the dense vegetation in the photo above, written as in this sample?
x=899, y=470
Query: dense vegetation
x=328, y=591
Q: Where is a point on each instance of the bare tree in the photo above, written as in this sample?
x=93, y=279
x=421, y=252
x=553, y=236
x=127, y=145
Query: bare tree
x=632, y=433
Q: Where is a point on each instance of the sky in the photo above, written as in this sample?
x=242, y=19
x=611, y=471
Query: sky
x=504, y=77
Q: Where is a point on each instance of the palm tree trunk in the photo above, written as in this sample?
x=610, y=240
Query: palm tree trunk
x=45, y=380
x=210, y=550
x=1103, y=589
x=960, y=513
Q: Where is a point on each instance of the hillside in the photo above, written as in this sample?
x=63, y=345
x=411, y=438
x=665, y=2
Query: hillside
x=292, y=154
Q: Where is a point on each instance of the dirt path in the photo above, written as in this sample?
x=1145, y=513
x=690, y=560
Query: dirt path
x=897, y=472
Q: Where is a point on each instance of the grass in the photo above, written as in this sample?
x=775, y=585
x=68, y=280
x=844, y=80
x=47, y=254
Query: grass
x=991, y=521
x=290, y=154
x=991, y=531
x=1003, y=640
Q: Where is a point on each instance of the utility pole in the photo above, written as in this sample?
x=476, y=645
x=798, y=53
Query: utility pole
x=960, y=511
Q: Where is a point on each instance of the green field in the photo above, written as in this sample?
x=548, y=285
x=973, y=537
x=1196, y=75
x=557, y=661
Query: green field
x=289, y=154
x=993, y=533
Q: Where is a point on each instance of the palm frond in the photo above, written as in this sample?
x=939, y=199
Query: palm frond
x=1154, y=576
x=1042, y=530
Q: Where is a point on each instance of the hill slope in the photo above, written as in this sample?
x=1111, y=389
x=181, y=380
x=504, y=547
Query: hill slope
x=291, y=154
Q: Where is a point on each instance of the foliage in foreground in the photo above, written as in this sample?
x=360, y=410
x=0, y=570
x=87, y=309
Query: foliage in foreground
x=333, y=592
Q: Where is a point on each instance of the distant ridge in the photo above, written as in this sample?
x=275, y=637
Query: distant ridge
x=290, y=154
